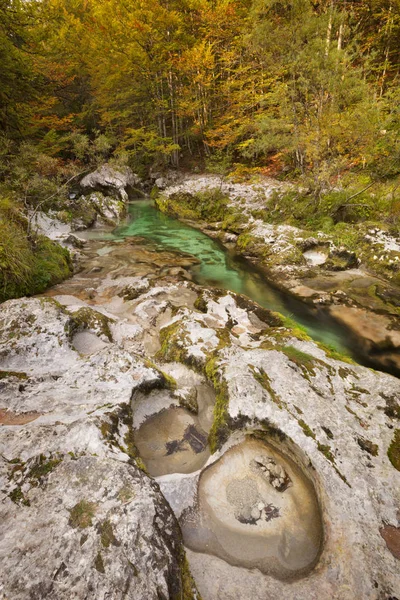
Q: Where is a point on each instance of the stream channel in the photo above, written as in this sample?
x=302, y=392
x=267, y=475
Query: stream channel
x=220, y=268
x=255, y=506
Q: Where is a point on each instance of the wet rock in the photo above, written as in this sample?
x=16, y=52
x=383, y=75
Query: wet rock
x=273, y=472
x=229, y=523
x=74, y=241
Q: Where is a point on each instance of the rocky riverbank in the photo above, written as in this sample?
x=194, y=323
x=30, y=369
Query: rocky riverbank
x=358, y=288
x=129, y=339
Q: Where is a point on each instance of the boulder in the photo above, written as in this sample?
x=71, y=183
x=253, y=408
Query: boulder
x=79, y=518
x=111, y=180
x=85, y=527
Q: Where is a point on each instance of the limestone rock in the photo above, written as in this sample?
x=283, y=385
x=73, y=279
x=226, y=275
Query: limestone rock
x=316, y=408
x=78, y=518
x=119, y=181
x=85, y=527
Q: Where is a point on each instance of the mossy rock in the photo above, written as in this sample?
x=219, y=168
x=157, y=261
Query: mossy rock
x=81, y=515
x=29, y=263
x=88, y=318
x=209, y=205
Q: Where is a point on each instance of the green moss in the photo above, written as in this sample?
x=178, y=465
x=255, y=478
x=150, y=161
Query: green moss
x=392, y=408
x=296, y=329
x=107, y=536
x=327, y=431
x=263, y=379
x=307, y=430
x=234, y=222
x=209, y=205
x=106, y=429
x=170, y=348
x=220, y=428
x=17, y=374
x=394, y=450
x=82, y=514
x=343, y=372
x=168, y=381
x=99, y=564
x=110, y=432
x=326, y=451
x=29, y=263
x=246, y=241
x=269, y=431
x=368, y=446
x=201, y=303
x=303, y=360
x=190, y=402
x=44, y=466
x=332, y=352
x=88, y=318
x=189, y=591
x=224, y=338
x=18, y=497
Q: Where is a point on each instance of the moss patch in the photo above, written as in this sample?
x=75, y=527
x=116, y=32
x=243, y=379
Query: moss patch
x=307, y=430
x=368, y=446
x=17, y=374
x=99, y=564
x=82, y=514
x=110, y=430
x=326, y=451
x=171, y=348
x=263, y=379
x=296, y=329
x=392, y=408
x=88, y=318
x=29, y=263
x=220, y=429
x=331, y=352
x=394, y=450
x=43, y=466
x=107, y=535
x=189, y=591
x=209, y=205
x=18, y=497
x=304, y=361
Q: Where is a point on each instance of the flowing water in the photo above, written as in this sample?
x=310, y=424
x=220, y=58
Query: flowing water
x=253, y=507
x=221, y=268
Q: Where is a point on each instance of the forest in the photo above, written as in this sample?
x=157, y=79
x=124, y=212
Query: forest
x=300, y=90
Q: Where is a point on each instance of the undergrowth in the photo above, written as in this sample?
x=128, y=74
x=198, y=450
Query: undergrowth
x=29, y=263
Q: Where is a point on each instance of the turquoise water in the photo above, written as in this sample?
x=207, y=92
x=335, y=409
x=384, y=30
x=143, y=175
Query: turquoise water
x=223, y=269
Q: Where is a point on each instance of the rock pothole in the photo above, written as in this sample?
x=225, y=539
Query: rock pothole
x=256, y=509
x=169, y=437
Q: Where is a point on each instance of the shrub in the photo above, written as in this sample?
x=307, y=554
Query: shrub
x=28, y=263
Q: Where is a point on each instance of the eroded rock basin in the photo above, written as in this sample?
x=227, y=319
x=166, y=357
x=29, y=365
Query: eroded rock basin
x=169, y=437
x=256, y=509
x=172, y=442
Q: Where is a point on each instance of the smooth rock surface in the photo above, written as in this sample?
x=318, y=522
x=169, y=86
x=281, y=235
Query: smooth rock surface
x=116, y=180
